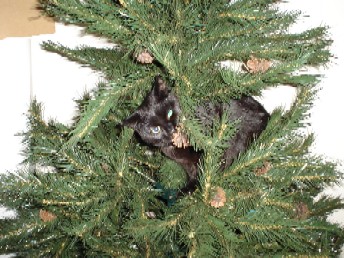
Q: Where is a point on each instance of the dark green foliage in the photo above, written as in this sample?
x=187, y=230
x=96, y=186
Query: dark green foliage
x=110, y=196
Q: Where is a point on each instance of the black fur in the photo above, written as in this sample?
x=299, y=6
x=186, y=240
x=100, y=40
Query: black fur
x=157, y=117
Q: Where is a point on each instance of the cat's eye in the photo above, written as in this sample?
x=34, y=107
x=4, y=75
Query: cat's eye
x=169, y=114
x=155, y=129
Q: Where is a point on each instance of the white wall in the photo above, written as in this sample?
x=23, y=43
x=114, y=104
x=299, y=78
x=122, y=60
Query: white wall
x=26, y=69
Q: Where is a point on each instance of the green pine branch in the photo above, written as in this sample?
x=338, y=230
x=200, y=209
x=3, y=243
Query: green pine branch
x=92, y=189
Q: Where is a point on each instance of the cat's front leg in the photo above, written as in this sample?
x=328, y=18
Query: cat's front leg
x=191, y=184
x=188, y=158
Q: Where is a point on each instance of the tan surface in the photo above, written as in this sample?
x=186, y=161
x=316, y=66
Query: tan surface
x=20, y=18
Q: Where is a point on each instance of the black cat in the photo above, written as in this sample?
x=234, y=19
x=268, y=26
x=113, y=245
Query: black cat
x=156, y=119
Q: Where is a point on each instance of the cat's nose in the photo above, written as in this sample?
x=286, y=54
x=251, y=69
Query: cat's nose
x=170, y=128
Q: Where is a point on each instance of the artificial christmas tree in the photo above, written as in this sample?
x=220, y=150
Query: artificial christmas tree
x=93, y=189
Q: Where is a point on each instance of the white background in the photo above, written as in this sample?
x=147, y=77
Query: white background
x=26, y=70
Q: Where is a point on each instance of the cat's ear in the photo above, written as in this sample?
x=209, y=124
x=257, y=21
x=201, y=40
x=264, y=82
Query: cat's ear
x=160, y=88
x=132, y=120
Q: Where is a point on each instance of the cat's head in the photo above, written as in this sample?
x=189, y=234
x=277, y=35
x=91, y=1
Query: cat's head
x=156, y=118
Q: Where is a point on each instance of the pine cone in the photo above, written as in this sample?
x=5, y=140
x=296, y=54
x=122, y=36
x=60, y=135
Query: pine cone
x=264, y=169
x=219, y=198
x=179, y=139
x=301, y=211
x=257, y=65
x=144, y=57
x=46, y=216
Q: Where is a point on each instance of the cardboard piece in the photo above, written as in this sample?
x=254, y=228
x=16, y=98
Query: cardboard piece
x=20, y=18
